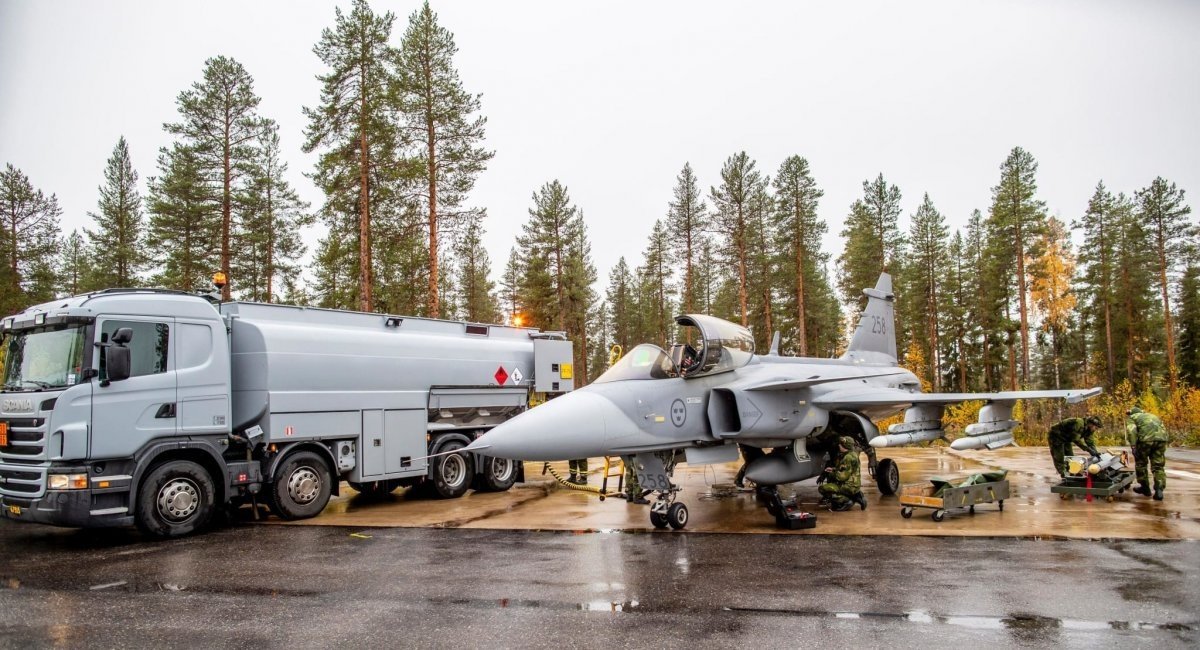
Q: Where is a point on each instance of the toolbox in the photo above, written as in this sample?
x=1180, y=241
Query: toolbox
x=793, y=518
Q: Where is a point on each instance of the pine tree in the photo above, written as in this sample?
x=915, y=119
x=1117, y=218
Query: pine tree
x=273, y=214
x=1189, y=322
x=220, y=126
x=739, y=182
x=1162, y=210
x=477, y=291
x=1050, y=288
x=659, y=290
x=120, y=226
x=510, y=288
x=1139, y=321
x=621, y=300
x=761, y=265
x=1097, y=256
x=185, y=221
x=439, y=115
x=356, y=132
x=687, y=222
x=1018, y=217
x=555, y=290
x=872, y=238
x=29, y=241
x=799, y=237
x=922, y=280
x=336, y=283
x=74, y=264
x=956, y=293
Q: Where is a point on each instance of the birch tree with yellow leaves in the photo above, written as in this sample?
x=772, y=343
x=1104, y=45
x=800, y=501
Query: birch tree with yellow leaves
x=1051, y=272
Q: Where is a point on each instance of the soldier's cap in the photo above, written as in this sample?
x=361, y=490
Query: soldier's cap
x=846, y=441
x=1133, y=410
x=1094, y=421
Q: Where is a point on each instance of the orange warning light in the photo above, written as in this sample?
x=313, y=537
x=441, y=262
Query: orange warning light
x=220, y=280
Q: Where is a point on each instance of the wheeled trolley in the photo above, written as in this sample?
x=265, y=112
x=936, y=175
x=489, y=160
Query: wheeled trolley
x=1103, y=486
x=943, y=494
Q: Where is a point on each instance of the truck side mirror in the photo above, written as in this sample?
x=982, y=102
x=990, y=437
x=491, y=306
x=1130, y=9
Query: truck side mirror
x=122, y=336
x=116, y=361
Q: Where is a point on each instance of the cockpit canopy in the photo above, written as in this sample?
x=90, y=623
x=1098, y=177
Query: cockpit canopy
x=720, y=346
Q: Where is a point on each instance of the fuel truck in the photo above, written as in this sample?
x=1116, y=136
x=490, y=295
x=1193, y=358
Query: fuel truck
x=155, y=407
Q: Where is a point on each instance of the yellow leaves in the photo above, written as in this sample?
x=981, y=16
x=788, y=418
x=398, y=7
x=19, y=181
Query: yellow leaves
x=956, y=417
x=915, y=362
x=1052, y=271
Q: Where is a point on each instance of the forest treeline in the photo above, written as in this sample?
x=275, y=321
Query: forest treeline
x=1007, y=302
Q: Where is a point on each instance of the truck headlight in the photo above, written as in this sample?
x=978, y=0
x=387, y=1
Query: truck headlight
x=68, y=481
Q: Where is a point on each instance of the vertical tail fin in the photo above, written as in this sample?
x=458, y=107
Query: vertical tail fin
x=874, y=340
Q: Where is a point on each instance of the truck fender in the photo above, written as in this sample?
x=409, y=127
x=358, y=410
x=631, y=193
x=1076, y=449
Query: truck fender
x=322, y=450
x=147, y=457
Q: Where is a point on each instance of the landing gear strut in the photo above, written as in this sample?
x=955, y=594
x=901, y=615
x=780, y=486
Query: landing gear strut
x=883, y=470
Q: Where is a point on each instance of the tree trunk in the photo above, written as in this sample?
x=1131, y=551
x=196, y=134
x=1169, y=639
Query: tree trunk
x=431, y=142
x=1162, y=278
x=802, y=326
x=365, y=303
x=1021, y=288
x=741, y=248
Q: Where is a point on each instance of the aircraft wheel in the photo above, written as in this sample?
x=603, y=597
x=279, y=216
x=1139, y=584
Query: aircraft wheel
x=887, y=475
x=939, y=515
x=659, y=519
x=906, y=512
x=677, y=516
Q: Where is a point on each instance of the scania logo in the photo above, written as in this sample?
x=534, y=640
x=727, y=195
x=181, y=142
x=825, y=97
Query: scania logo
x=17, y=405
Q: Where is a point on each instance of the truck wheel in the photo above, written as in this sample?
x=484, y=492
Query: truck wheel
x=498, y=474
x=887, y=475
x=175, y=499
x=452, y=473
x=301, y=487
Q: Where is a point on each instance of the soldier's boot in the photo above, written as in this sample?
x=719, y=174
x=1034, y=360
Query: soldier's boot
x=840, y=504
x=1142, y=489
x=1158, y=494
x=861, y=500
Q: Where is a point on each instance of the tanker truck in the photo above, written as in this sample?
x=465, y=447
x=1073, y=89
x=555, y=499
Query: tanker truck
x=155, y=407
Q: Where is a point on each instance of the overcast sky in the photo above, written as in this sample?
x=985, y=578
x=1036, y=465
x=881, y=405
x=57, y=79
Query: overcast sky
x=612, y=98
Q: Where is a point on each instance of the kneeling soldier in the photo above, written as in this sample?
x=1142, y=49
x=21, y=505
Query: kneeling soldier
x=843, y=481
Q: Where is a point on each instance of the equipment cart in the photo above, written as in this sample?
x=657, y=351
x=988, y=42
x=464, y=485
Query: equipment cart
x=954, y=493
x=1105, y=476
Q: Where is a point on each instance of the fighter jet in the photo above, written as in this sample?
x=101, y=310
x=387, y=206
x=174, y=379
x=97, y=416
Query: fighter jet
x=698, y=404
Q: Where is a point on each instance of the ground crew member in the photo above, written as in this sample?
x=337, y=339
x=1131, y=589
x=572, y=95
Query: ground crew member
x=633, y=489
x=579, y=470
x=750, y=454
x=1145, y=434
x=1071, y=433
x=843, y=482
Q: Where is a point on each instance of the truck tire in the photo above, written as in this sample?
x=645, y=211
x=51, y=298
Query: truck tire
x=175, y=499
x=452, y=473
x=496, y=475
x=301, y=486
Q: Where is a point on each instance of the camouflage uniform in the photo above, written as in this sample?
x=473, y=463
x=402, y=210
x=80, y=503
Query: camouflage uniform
x=844, y=485
x=1065, y=436
x=578, y=471
x=1146, y=435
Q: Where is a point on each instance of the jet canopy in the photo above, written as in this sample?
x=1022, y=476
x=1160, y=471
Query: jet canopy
x=721, y=346
x=645, y=361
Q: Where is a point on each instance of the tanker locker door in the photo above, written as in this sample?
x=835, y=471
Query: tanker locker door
x=371, y=449
x=130, y=413
x=404, y=434
x=203, y=379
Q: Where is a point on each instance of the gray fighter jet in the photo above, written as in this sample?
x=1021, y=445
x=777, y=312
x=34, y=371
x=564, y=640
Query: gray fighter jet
x=697, y=405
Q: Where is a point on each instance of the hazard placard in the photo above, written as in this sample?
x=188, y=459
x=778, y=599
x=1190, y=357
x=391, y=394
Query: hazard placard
x=501, y=376
x=516, y=376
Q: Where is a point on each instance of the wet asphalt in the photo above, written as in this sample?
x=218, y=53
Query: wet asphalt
x=256, y=586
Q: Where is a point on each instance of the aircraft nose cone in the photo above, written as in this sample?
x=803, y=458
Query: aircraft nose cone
x=567, y=427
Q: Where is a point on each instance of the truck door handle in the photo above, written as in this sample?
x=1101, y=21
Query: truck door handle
x=166, y=411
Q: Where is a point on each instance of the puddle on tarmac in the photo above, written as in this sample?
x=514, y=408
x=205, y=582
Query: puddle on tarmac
x=1022, y=623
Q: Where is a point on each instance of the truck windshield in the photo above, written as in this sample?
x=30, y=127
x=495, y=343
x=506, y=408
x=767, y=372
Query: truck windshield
x=42, y=358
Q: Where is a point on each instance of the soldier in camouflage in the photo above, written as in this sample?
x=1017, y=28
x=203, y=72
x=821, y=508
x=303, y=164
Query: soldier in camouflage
x=1147, y=436
x=1071, y=433
x=579, y=471
x=843, y=482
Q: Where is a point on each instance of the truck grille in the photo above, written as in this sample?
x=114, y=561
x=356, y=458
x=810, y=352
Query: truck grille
x=27, y=482
x=26, y=440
